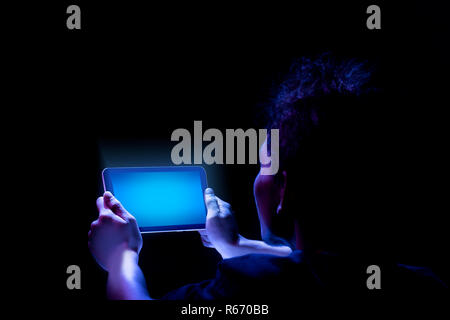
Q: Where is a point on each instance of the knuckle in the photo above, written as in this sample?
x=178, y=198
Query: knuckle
x=225, y=211
x=227, y=214
x=115, y=205
x=226, y=208
x=105, y=218
x=224, y=203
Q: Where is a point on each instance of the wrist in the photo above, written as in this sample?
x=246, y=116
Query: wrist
x=122, y=256
x=125, y=278
x=245, y=246
x=232, y=249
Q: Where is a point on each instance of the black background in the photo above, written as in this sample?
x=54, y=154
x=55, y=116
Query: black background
x=136, y=72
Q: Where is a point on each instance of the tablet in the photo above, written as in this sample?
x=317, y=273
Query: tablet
x=160, y=198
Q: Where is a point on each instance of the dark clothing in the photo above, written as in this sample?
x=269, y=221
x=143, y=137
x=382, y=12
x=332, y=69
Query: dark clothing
x=257, y=276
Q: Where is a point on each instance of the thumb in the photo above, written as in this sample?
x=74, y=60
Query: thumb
x=114, y=205
x=211, y=203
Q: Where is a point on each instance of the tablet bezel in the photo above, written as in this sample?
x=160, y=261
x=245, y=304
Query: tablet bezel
x=107, y=186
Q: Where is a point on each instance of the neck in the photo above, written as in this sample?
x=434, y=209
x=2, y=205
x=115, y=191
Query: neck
x=298, y=237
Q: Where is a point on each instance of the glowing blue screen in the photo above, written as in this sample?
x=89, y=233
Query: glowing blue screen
x=161, y=198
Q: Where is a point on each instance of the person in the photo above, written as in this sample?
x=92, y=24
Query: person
x=312, y=212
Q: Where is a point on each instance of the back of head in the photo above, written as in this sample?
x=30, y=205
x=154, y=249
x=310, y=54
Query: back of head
x=327, y=112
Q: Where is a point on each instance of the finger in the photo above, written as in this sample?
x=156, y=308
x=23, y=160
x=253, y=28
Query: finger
x=205, y=240
x=224, y=207
x=223, y=204
x=211, y=203
x=207, y=244
x=101, y=206
x=114, y=205
x=204, y=235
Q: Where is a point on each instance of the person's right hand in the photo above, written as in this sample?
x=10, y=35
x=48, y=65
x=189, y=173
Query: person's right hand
x=114, y=232
x=221, y=228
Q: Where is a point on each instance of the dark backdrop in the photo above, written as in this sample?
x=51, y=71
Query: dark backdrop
x=114, y=92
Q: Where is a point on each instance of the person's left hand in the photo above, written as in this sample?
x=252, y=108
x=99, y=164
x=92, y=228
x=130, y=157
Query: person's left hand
x=222, y=232
x=114, y=232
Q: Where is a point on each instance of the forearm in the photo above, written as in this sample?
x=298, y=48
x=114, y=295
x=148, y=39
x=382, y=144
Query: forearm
x=125, y=278
x=246, y=246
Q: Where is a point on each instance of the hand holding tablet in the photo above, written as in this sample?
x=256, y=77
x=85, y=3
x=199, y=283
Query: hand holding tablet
x=160, y=198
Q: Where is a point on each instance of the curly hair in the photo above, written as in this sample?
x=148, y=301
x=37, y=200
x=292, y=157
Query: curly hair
x=309, y=93
x=321, y=110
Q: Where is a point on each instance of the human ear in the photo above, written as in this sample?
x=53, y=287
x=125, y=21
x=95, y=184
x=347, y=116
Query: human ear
x=283, y=185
